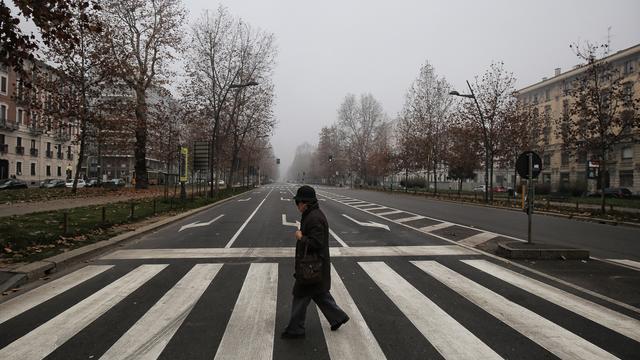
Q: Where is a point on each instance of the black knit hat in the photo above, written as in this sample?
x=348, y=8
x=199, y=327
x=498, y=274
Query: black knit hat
x=305, y=194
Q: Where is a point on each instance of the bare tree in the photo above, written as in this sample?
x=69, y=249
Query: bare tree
x=359, y=120
x=146, y=34
x=463, y=153
x=603, y=112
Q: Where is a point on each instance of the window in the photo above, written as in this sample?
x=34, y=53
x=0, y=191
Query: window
x=18, y=141
x=33, y=144
x=626, y=178
x=3, y=84
x=627, y=153
x=628, y=67
x=18, y=168
x=33, y=169
x=2, y=139
x=546, y=161
x=48, y=170
x=564, y=158
x=546, y=178
x=547, y=94
x=582, y=157
x=535, y=98
x=20, y=117
x=564, y=180
x=48, y=146
x=3, y=112
x=59, y=171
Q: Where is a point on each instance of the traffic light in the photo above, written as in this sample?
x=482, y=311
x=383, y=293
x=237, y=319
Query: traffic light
x=278, y=161
x=330, y=158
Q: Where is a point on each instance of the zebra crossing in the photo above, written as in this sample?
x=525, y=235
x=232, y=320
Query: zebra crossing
x=420, y=293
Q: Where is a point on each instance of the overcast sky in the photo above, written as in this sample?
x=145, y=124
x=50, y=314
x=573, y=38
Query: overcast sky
x=330, y=48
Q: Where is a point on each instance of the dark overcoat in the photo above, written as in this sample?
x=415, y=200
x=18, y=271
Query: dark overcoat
x=315, y=235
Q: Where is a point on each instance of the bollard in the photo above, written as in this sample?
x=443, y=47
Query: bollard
x=65, y=222
x=154, y=206
x=104, y=215
x=132, y=210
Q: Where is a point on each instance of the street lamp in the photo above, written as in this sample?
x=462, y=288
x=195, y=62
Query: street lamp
x=486, y=139
x=215, y=135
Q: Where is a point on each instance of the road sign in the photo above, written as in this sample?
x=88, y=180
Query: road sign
x=184, y=164
x=201, y=155
x=522, y=165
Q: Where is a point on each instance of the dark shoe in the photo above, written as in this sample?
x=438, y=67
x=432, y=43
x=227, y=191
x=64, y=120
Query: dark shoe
x=337, y=326
x=288, y=335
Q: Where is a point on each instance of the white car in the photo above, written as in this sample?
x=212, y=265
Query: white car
x=480, y=188
x=81, y=183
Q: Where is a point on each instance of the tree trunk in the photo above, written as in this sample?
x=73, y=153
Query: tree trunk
x=140, y=153
x=490, y=187
x=435, y=178
x=80, y=157
x=603, y=169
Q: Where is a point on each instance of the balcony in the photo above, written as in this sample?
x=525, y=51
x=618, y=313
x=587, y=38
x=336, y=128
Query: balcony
x=35, y=131
x=20, y=150
x=5, y=125
x=49, y=153
x=60, y=156
x=61, y=137
x=33, y=152
x=4, y=148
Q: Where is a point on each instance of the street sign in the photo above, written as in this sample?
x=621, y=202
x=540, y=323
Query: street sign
x=184, y=164
x=201, y=155
x=593, y=169
x=522, y=165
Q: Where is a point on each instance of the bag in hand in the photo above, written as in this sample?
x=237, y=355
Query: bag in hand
x=309, y=268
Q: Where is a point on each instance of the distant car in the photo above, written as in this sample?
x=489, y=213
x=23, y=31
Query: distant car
x=94, y=183
x=114, y=183
x=7, y=184
x=618, y=192
x=480, y=188
x=55, y=183
x=45, y=182
x=81, y=183
x=499, y=189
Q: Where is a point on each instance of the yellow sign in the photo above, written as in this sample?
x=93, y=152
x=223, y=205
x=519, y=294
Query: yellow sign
x=184, y=164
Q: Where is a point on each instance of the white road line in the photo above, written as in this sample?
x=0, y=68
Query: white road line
x=630, y=263
x=354, y=341
x=278, y=252
x=335, y=236
x=390, y=212
x=235, y=236
x=360, y=206
x=247, y=199
x=353, y=202
x=376, y=208
x=250, y=331
x=431, y=228
x=47, y=337
x=606, y=317
x=411, y=218
x=451, y=339
x=557, y=340
x=37, y=296
x=478, y=239
x=151, y=334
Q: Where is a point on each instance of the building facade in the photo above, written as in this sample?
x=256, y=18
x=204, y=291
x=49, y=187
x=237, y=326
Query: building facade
x=34, y=145
x=551, y=99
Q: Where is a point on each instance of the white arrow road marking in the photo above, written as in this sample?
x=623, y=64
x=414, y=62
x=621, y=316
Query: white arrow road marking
x=197, y=224
x=369, y=224
x=247, y=199
x=286, y=223
x=283, y=199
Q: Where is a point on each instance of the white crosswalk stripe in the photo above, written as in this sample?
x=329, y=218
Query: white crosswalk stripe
x=20, y=304
x=149, y=336
x=613, y=320
x=557, y=340
x=46, y=338
x=250, y=331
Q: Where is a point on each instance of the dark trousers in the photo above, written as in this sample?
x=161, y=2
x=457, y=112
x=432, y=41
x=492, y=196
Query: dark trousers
x=325, y=303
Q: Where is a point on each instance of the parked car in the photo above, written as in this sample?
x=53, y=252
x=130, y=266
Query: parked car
x=114, y=183
x=81, y=183
x=55, y=183
x=480, y=188
x=93, y=183
x=612, y=192
x=45, y=182
x=499, y=189
x=7, y=184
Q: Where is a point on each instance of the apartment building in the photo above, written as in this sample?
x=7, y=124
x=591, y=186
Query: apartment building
x=33, y=144
x=552, y=100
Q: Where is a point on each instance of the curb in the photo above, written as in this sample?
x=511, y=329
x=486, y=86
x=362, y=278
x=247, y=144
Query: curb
x=541, y=212
x=38, y=269
x=519, y=251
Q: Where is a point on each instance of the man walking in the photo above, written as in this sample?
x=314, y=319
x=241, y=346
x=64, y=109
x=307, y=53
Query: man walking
x=312, y=240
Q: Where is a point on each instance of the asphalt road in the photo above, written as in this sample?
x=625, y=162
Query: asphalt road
x=218, y=285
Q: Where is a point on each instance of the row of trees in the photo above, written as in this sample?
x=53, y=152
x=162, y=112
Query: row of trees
x=112, y=63
x=440, y=134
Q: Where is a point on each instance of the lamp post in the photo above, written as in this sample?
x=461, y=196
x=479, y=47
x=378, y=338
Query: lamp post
x=486, y=139
x=215, y=133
